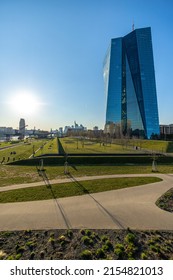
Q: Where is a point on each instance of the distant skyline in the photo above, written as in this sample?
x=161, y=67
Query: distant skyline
x=52, y=53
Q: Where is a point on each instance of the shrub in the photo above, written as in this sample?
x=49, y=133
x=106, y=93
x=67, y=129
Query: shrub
x=104, y=238
x=130, y=250
x=100, y=253
x=11, y=257
x=82, y=231
x=32, y=256
x=94, y=236
x=144, y=256
x=105, y=248
x=155, y=248
x=119, y=250
x=51, y=240
x=88, y=232
x=61, y=238
x=69, y=233
x=63, y=241
x=109, y=244
x=28, y=231
x=86, y=255
x=19, y=249
x=130, y=238
x=18, y=256
x=87, y=241
x=31, y=244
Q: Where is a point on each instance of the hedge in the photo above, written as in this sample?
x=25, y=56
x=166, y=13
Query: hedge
x=95, y=160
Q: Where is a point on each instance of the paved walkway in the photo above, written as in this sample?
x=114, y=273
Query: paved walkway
x=132, y=207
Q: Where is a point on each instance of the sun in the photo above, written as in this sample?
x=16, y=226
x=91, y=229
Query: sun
x=25, y=103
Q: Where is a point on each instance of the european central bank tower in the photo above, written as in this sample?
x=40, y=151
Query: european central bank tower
x=130, y=86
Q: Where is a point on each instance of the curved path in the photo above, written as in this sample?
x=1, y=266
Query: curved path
x=132, y=207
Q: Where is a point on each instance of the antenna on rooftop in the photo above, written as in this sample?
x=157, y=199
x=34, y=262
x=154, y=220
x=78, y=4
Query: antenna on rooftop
x=133, y=26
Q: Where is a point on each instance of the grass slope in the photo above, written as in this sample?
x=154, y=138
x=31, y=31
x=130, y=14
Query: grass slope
x=23, y=150
x=49, y=147
x=153, y=145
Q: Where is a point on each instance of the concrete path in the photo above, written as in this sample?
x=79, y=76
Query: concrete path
x=132, y=207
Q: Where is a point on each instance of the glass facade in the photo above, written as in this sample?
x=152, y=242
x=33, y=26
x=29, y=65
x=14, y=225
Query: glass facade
x=130, y=84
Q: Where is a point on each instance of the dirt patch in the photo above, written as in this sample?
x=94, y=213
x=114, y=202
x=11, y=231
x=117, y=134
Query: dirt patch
x=86, y=244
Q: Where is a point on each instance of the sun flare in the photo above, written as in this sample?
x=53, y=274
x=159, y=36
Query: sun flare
x=25, y=103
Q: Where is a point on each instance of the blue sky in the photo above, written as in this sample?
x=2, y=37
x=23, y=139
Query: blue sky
x=52, y=52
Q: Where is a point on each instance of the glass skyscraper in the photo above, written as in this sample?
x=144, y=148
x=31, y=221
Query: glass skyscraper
x=130, y=86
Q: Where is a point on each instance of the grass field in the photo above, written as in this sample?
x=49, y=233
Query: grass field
x=22, y=150
x=76, y=145
x=50, y=147
x=72, y=189
x=10, y=175
x=7, y=144
x=153, y=145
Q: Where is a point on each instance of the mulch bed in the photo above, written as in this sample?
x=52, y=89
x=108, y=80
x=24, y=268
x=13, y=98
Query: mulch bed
x=165, y=202
x=86, y=244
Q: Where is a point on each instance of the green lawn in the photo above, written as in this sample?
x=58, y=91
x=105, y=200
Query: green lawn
x=7, y=144
x=76, y=145
x=153, y=145
x=22, y=151
x=72, y=189
x=25, y=150
x=50, y=147
x=10, y=174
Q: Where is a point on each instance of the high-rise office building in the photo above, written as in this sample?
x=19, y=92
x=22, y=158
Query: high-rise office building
x=22, y=128
x=130, y=86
